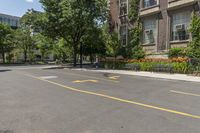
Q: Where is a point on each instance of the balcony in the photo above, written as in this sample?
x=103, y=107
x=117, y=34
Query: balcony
x=175, y=4
x=149, y=7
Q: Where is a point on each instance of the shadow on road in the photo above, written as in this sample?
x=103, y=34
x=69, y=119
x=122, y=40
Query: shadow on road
x=106, y=74
x=5, y=70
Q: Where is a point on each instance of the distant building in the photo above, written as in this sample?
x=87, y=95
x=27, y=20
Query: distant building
x=165, y=23
x=13, y=21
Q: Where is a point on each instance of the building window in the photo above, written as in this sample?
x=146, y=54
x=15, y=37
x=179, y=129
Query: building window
x=8, y=22
x=123, y=7
x=12, y=22
x=16, y=23
x=123, y=20
x=149, y=31
x=4, y=20
x=149, y=3
x=180, y=25
x=123, y=35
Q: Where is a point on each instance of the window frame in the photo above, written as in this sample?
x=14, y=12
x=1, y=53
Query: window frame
x=183, y=21
x=144, y=6
x=154, y=28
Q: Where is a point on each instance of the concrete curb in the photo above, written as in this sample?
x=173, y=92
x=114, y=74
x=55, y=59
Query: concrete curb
x=181, y=77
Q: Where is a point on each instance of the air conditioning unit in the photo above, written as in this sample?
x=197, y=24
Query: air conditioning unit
x=149, y=32
x=180, y=27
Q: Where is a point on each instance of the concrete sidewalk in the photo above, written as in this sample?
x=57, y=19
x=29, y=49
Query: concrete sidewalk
x=181, y=77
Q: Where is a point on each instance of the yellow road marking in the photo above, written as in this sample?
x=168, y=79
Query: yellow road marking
x=83, y=81
x=86, y=76
x=185, y=93
x=119, y=99
x=114, y=77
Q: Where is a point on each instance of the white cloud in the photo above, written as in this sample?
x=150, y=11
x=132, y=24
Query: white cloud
x=30, y=1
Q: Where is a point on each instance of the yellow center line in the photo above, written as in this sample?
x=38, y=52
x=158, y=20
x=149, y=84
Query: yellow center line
x=119, y=99
x=185, y=93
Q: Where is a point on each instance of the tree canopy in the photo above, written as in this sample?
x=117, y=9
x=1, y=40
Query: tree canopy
x=193, y=50
x=71, y=19
x=5, y=37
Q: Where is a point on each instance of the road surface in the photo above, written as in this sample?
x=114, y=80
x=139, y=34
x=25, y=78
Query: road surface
x=37, y=100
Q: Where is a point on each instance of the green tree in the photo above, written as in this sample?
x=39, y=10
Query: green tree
x=33, y=20
x=62, y=50
x=112, y=42
x=193, y=51
x=133, y=10
x=44, y=44
x=30, y=35
x=70, y=19
x=5, y=44
x=91, y=47
x=10, y=46
x=24, y=42
x=134, y=49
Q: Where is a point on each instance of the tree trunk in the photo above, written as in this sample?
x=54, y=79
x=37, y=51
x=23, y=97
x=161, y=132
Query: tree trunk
x=42, y=56
x=75, y=55
x=3, y=57
x=25, y=56
x=3, y=54
x=91, y=59
x=115, y=61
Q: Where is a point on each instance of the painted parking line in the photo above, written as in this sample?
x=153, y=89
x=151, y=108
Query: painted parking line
x=84, y=81
x=185, y=93
x=48, y=77
x=119, y=99
x=114, y=77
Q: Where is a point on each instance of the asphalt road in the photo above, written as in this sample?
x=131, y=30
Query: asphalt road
x=36, y=100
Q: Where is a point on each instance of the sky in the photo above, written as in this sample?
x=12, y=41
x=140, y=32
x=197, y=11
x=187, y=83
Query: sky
x=18, y=7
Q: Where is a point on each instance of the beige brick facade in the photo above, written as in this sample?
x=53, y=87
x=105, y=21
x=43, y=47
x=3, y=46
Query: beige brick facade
x=166, y=20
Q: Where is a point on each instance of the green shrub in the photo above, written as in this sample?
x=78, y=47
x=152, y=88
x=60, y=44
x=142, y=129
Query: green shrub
x=193, y=50
x=178, y=67
x=113, y=65
x=138, y=52
x=177, y=52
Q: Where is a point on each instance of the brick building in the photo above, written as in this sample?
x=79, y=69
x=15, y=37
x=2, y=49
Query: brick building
x=165, y=22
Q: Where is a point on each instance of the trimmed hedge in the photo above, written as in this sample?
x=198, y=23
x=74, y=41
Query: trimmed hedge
x=177, y=52
x=178, y=67
x=113, y=65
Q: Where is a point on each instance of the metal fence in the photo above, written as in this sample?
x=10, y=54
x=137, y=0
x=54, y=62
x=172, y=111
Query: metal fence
x=195, y=64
